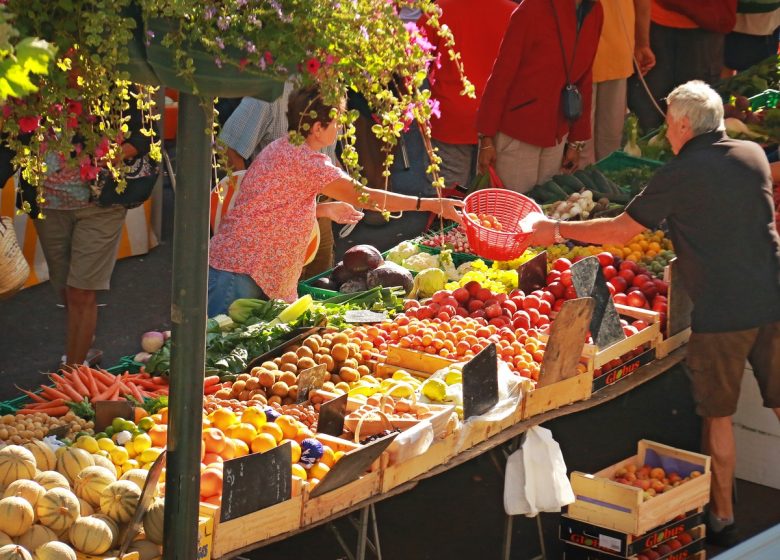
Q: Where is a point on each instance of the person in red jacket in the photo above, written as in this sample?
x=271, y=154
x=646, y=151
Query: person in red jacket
x=525, y=133
x=478, y=26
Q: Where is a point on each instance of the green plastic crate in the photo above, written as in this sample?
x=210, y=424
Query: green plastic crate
x=769, y=98
x=617, y=161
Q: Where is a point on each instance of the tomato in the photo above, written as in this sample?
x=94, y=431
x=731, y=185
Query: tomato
x=547, y=296
x=609, y=272
x=566, y=278
x=636, y=299
x=545, y=307
x=473, y=287
x=558, y=304
x=493, y=311
x=628, y=265
x=521, y=320
x=611, y=289
x=629, y=330
x=556, y=289
x=497, y=321
x=448, y=309
x=620, y=298
x=561, y=264
x=534, y=315
x=411, y=304
x=628, y=275
x=461, y=295
x=662, y=286
x=475, y=304
x=640, y=280
x=440, y=296
x=444, y=316
x=510, y=306
x=462, y=312
x=484, y=294
x=620, y=283
x=649, y=290
x=639, y=325
x=479, y=313
x=571, y=293
x=531, y=302
x=605, y=259
x=552, y=276
x=501, y=298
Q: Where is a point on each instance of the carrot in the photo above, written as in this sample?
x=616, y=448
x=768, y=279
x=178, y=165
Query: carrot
x=89, y=380
x=147, y=383
x=136, y=392
x=160, y=380
x=33, y=396
x=211, y=389
x=46, y=404
x=75, y=381
x=53, y=411
x=53, y=393
x=105, y=395
x=211, y=380
x=104, y=376
x=70, y=391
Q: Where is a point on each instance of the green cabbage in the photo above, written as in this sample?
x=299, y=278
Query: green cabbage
x=401, y=252
x=429, y=281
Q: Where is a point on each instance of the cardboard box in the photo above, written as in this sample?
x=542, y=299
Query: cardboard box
x=621, y=544
x=692, y=551
x=602, y=501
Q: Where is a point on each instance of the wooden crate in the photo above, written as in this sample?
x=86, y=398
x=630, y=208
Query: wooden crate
x=597, y=357
x=324, y=506
x=604, y=502
x=668, y=345
x=256, y=527
x=440, y=451
x=542, y=399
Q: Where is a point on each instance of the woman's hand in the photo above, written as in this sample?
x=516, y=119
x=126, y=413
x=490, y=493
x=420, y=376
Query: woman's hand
x=571, y=160
x=487, y=154
x=339, y=212
x=445, y=207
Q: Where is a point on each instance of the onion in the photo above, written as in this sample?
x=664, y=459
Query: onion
x=152, y=341
x=166, y=335
x=142, y=357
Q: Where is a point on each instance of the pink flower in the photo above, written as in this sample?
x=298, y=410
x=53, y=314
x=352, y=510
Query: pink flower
x=435, y=109
x=330, y=60
x=312, y=66
x=102, y=149
x=72, y=122
x=87, y=171
x=29, y=124
x=74, y=107
x=269, y=59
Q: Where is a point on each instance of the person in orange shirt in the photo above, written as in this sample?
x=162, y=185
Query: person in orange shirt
x=624, y=36
x=478, y=26
x=687, y=39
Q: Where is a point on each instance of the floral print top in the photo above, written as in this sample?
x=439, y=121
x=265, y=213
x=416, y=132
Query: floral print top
x=266, y=233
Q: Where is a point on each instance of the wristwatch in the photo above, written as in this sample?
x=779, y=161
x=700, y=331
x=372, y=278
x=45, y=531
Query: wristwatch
x=577, y=145
x=557, y=237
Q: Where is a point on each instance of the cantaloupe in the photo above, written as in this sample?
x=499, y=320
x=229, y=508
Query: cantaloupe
x=52, y=479
x=91, y=482
x=44, y=456
x=55, y=551
x=90, y=535
x=101, y=461
x=137, y=476
x=5, y=539
x=112, y=525
x=153, y=521
x=16, y=516
x=27, y=489
x=58, y=509
x=16, y=462
x=36, y=536
x=72, y=460
x=14, y=552
x=119, y=500
x=85, y=509
x=146, y=550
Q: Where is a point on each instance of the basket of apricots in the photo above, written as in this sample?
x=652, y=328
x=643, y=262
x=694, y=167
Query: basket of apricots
x=652, y=480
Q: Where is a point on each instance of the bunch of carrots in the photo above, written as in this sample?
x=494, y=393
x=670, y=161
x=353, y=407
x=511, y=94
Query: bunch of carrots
x=73, y=385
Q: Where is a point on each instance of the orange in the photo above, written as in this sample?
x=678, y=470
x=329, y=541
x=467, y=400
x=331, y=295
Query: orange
x=214, y=500
x=254, y=415
x=289, y=425
x=295, y=449
x=303, y=434
x=159, y=434
x=328, y=456
x=223, y=418
x=244, y=431
x=318, y=470
x=210, y=483
x=156, y=418
x=299, y=471
x=263, y=442
x=211, y=458
x=214, y=440
x=230, y=449
x=242, y=448
x=139, y=413
x=163, y=412
x=274, y=429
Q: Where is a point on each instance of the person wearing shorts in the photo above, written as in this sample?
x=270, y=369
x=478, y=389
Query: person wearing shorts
x=716, y=198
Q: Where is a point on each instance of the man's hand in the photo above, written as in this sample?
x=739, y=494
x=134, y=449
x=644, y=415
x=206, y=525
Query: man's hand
x=543, y=232
x=487, y=155
x=445, y=207
x=645, y=59
x=339, y=212
x=571, y=160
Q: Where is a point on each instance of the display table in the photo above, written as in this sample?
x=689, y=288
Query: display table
x=140, y=234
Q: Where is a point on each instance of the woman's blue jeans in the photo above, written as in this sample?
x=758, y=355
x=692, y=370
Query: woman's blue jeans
x=226, y=287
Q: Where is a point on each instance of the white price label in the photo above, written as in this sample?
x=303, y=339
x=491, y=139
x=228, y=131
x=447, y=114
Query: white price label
x=610, y=543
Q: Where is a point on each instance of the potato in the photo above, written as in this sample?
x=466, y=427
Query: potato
x=289, y=378
x=306, y=363
x=335, y=378
x=349, y=374
x=304, y=352
x=292, y=392
x=245, y=395
x=329, y=362
x=252, y=383
x=312, y=343
x=328, y=386
x=259, y=397
x=276, y=399
x=289, y=367
x=363, y=370
x=266, y=378
x=351, y=362
x=238, y=386
x=340, y=338
x=280, y=389
x=289, y=358
x=269, y=365
x=255, y=371
x=339, y=352
x=221, y=394
x=243, y=377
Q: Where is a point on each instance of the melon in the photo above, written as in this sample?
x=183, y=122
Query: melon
x=112, y=525
x=58, y=509
x=14, y=552
x=119, y=500
x=91, y=535
x=27, y=489
x=36, y=536
x=85, y=509
x=16, y=516
x=146, y=550
x=91, y=482
x=5, y=539
x=51, y=479
x=55, y=551
x=72, y=460
x=43, y=453
x=137, y=476
x=153, y=521
x=101, y=461
x=16, y=462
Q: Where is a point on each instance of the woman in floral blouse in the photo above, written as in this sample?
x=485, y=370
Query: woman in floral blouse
x=259, y=249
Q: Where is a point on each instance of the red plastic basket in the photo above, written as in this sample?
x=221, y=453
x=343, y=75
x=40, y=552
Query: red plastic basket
x=509, y=208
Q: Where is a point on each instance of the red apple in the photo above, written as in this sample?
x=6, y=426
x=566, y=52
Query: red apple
x=605, y=259
x=640, y=280
x=609, y=272
x=561, y=264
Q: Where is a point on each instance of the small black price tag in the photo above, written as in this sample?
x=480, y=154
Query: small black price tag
x=311, y=379
x=480, y=383
x=106, y=411
x=589, y=281
x=332, y=413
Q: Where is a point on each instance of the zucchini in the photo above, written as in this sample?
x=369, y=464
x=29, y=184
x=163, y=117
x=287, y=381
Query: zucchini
x=586, y=180
x=602, y=183
x=553, y=191
x=569, y=183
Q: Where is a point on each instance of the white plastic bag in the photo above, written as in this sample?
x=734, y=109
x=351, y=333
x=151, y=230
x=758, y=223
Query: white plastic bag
x=536, y=476
x=411, y=443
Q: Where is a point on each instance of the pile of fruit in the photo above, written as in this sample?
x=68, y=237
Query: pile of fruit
x=22, y=427
x=486, y=220
x=454, y=239
x=666, y=548
x=652, y=480
x=361, y=268
x=494, y=277
x=761, y=125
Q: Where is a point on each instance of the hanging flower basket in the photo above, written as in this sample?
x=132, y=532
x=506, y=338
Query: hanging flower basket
x=208, y=78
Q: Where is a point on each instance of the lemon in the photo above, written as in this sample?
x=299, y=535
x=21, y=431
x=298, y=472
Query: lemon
x=435, y=390
x=131, y=450
x=150, y=455
x=106, y=444
x=145, y=424
x=103, y=453
x=453, y=376
x=142, y=442
x=119, y=455
x=129, y=465
x=362, y=389
x=147, y=466
x=88, y=443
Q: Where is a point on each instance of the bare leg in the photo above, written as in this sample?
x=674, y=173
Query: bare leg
x=82, y=321
x=777, y=412
x=718, y=441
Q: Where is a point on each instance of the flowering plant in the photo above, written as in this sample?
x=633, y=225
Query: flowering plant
x=361, y=45
x=80, y=107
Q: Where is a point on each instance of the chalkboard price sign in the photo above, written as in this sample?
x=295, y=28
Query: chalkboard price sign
x=480, y=383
